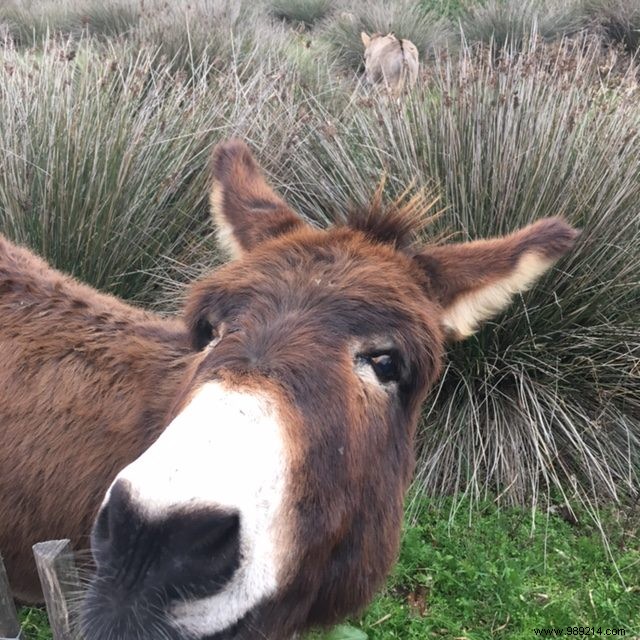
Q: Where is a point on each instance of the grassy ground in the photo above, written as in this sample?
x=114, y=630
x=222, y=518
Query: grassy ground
x=488, y=572
x=489, y=576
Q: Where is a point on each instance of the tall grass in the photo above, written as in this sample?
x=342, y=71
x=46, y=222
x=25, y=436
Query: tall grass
x=182, y=33
x=505, y=23
x=103, y=166
x=28, y=23
x=509, y=22
x=224, y=32
x=305, y=12
x=617, y=20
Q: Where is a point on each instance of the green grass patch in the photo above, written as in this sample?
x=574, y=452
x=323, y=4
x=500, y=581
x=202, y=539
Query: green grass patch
x=492, y=574
x=35, y=625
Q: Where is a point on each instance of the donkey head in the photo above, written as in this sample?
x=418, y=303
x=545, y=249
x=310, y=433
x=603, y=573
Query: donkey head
x=273, y=500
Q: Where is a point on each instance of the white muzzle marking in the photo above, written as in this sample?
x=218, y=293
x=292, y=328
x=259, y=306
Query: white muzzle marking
x=224, y=450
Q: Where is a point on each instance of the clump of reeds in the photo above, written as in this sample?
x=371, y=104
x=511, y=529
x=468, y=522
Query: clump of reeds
x=106, y=139
x=104, y=170
x=302, y=12
x=617, y=20
x=510, y=23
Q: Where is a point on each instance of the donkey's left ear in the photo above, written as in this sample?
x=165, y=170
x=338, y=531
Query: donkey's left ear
x=474, y=281
x=245, y=209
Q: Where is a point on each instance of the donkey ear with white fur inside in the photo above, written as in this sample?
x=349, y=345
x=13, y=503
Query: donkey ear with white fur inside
x=474, y=281
x=246, y=210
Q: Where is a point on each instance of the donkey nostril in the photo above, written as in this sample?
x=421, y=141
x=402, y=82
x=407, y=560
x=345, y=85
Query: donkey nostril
x=186, y=553
x=117, y=523
x=205, y=548
x=138, y=550
x=215, y=533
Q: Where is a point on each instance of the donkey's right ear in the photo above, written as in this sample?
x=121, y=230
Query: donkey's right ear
x=245, y=209
x=366, y=38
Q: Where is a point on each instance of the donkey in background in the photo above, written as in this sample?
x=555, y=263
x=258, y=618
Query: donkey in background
x=255, y=452
x=390, y=62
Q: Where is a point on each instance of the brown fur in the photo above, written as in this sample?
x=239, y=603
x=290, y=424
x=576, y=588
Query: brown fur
x=83, y=375
x=88, y=381
x=485, y=274
x=371, y=494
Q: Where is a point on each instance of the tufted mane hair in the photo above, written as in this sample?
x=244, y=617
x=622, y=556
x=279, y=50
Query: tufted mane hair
x=399, y=223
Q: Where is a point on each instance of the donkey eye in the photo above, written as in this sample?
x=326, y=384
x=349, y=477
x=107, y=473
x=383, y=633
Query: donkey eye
x=385, y=365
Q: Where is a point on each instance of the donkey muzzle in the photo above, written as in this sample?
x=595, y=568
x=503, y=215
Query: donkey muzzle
x=145, y=565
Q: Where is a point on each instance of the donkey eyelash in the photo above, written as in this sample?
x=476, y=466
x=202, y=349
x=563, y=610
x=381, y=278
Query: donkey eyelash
x=215, y=338
x=386, y=364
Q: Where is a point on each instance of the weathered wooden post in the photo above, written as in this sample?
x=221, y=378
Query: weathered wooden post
x=9, y=625
x=59, y=580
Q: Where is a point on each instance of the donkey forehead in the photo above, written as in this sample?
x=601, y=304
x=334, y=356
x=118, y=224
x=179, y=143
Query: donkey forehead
x=339, y=249
x=339, y=272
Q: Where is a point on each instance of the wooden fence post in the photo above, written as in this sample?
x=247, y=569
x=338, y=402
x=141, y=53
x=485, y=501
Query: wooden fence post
x=9, y=625
x=59, y=580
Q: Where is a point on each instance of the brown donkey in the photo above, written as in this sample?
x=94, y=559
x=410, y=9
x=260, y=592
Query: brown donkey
x=255, y=452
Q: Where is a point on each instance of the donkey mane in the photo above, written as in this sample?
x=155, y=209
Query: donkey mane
x=399, y=223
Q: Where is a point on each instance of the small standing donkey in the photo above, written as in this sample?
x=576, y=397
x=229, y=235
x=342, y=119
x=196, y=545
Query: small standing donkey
x=390, y=62
x=255, y=452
